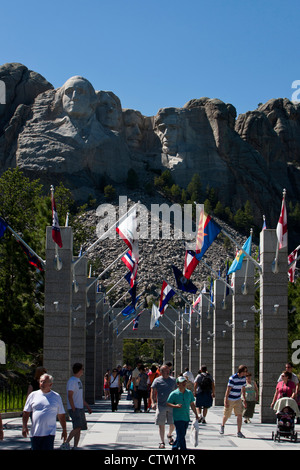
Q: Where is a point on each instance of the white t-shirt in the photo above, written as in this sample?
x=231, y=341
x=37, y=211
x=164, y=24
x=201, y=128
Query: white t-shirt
x=75, y=385
x=44, y=407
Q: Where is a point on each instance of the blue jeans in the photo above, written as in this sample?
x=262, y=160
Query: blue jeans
x=42, y=442
x=181, y=428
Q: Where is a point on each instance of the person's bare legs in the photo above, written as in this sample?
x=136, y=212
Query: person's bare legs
x=76, y=434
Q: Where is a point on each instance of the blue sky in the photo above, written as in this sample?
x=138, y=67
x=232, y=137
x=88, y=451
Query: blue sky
x=160, y=53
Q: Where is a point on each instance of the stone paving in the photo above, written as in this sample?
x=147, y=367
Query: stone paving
x=126, y=430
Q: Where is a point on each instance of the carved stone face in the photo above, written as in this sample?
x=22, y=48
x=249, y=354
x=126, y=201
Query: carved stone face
x=78, y=97
x=167, y=128
x=133, y=122
x=109, y=111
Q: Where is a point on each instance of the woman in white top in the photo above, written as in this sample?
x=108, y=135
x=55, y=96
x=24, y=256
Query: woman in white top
x=114, y=388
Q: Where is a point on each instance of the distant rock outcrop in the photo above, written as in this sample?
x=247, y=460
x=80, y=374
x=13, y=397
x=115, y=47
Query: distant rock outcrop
x=84, y=138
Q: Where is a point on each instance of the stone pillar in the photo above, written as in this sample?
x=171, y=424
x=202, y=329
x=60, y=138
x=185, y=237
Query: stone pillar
x=194, y=334
x=206, y=334
x=106, y=360
x=90, y=366
x=185, y=327
x=222, y=348
x=100, y=366
x=57, y=316
x=177, y=348
x=243, y=332
x=273, y=352
x=78, y=343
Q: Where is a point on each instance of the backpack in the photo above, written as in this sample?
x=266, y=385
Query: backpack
x=205, y=383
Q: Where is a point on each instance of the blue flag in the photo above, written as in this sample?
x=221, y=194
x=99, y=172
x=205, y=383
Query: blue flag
x=3, y=226
x=238, y=261
x=183, y=283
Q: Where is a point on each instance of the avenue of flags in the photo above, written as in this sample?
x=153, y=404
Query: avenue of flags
x=207, y=232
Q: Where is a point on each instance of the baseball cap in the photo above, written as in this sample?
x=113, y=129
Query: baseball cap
x=181, y=379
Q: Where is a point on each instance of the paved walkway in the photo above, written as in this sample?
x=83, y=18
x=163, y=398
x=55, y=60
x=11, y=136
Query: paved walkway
x=126, y=430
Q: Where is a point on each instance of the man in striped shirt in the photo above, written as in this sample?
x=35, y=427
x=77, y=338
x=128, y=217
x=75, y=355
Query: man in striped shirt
x=232, y=400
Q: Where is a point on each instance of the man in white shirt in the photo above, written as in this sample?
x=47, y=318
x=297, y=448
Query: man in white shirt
x=76, y=404
x=45, y=405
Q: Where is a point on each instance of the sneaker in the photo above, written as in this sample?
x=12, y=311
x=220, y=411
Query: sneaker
x=203, y=421
x=221, y=429
x=65, y=446
x=240, y=434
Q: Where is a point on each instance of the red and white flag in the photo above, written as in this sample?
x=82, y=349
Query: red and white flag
x=281, y=230
x=292, y=257
x=56, y=235
x=128, y=232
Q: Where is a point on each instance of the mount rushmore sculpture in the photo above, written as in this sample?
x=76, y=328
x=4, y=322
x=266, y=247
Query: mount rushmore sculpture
x=83, y=136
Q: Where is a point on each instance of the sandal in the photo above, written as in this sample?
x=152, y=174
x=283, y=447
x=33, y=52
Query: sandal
x=161, y=445
x=171, y=440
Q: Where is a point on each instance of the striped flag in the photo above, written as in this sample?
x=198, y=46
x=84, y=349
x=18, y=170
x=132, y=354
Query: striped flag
x=281, y=230
x=56, y=235
x=166, y=294
x=292, y=257
x=190, y=263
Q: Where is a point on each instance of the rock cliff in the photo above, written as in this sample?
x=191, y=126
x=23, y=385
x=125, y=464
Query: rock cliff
x=83, y=137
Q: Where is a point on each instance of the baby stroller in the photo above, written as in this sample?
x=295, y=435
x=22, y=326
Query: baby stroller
x=286, y=411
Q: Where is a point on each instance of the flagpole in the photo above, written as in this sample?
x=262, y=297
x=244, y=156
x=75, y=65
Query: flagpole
x=130, y=322
x=116, y=284
x=110, y=309
x=105, y=234
x=138, y=306
x=222, y=280
x=129, y=304
x=178, y=293
x=238, y=246
x=242, y=250
x=106, y=269
x=275, y=262
x=244, y=286
x=25, y=244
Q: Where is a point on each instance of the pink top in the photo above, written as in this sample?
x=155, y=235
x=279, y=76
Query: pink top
x=285, y=390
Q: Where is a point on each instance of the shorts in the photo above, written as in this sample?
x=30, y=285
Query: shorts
x=164, y=415
x=235, y=405
x=78, y=418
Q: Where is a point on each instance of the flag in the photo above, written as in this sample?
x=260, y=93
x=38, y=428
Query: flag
x=132, y=292
x=238, y=261
x=128, y=232
x=131, y=265
x=211, y=291
x=33, y=260
x=190, y=263
x=129, y=310
x=3, y=226
x=136, y=322
x=128, y=261
x=155, y=314
x=183, y=283
x=281, y=229
x=56, y=236
x=264, y=227
x=227, y=278
x=198, y=301
x=207, y=232
x=165, y=295
x=292, y=257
